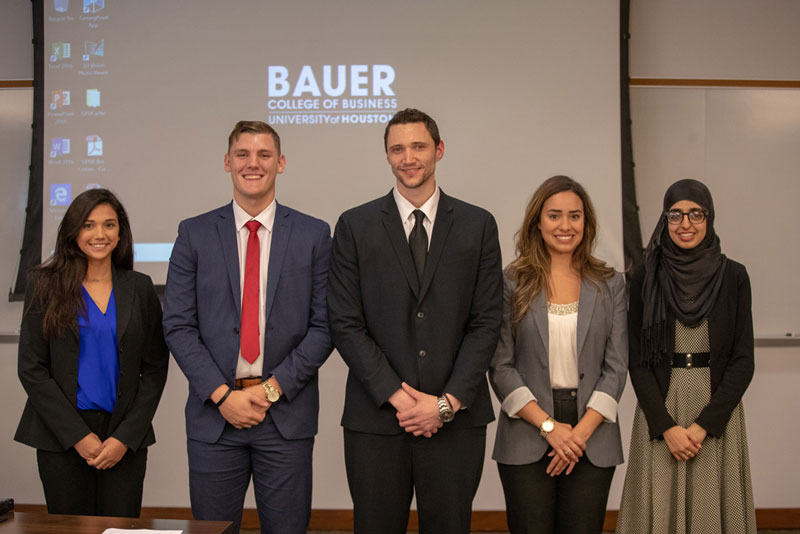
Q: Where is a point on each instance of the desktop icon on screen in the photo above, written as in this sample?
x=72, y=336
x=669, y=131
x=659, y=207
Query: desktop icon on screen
x=61, y=5
x=91, y=48
x=93, y=6
x=59, y=146
x=59, y=99
x=94, y=145
x=60, y=51
x=93, y=98
x=60, y=194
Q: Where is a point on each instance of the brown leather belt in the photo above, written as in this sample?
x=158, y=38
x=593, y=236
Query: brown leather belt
x=687, y=361
x=242, y=383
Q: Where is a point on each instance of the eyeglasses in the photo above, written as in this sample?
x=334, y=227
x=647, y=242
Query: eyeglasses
x=696, y=216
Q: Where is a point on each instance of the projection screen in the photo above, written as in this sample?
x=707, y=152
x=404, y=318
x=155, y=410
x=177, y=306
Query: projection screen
x=140, y=97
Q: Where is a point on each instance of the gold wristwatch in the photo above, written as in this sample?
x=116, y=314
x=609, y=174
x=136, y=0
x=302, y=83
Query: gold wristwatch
x=547, y=426
x=270, y=391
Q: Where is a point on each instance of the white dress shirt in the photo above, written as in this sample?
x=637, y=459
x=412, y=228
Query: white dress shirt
x=245, y=369
x=406, y=210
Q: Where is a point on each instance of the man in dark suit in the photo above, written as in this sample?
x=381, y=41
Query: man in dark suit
x=416, y=319
x=244, y=316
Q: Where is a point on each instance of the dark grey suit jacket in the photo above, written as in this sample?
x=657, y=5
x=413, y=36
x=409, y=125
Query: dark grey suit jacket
x=48, y=370
x=521, y=360
x=437, y=335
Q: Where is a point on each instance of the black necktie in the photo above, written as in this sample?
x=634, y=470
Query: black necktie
x=418, y=241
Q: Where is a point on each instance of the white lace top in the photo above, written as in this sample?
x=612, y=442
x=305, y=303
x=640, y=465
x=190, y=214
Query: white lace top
x=562, y=326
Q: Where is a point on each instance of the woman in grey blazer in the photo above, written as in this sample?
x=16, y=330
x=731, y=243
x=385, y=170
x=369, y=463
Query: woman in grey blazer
x=559, y=368
x=93, y=362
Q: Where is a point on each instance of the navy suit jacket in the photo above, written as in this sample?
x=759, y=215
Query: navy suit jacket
x=438, y=334
x=202, y=315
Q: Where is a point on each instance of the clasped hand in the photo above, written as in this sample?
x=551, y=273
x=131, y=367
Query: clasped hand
x=245, y=408
x=100, y=454
x=568, y=447
x=418, y=412
x=685, y=443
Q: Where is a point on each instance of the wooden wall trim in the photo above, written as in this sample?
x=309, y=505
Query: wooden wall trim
x=13, y=84
x=482, y=520
x=690, y=82
x=778, y=518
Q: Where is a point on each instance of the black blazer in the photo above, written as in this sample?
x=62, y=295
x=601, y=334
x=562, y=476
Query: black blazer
x=438, y=335
x=730, y=329
x=48, y=371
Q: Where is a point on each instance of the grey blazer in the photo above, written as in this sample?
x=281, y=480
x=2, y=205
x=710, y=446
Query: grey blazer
x=521, y=360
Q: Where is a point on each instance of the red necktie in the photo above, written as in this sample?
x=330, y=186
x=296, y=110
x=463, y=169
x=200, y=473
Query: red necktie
x=249, y=331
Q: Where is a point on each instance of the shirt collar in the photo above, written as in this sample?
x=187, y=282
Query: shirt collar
x=266, y=217
x=406, y=208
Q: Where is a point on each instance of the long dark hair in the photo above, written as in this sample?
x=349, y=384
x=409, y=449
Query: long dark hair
x=56, y=283
x=531, y=268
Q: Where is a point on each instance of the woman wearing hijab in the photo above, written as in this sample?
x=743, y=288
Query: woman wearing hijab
x=93, y=362
x=691, y=360
x=559, y=369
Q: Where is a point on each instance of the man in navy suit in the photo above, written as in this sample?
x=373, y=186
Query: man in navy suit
x=245, y=318
x=415, y=302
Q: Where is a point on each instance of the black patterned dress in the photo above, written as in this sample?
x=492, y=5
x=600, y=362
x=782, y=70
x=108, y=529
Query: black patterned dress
x=708, y=494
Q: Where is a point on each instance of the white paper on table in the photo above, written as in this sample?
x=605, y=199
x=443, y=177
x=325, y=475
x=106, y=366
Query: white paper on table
x=139, y=531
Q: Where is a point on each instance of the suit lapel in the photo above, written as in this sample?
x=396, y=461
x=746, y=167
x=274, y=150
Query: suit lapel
x=441, y=227
x=585, y=311
x=281, y=230
x=539, y=311
x=226, y=228
x=123, y=297
x=397, y=237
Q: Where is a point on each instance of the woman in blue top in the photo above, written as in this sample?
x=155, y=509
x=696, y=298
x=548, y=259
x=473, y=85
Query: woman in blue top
x=93, y=362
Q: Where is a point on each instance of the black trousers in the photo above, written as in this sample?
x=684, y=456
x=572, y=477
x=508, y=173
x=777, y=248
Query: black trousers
x=73, y=487
x=566, y=504
x=383, y=473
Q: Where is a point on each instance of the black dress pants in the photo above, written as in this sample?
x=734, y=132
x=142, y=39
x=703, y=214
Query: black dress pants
x=73, y=487
x=384, y=472
x=565, y=504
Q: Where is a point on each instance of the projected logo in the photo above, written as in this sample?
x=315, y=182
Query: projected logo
x=59, y=146
x=93, y=49
x=94, y=145
x=93, y=98
x=59, y=99
x=60, y=194
x=60, y=51
x=331, y=94
x=93, y=6
x=61, y=5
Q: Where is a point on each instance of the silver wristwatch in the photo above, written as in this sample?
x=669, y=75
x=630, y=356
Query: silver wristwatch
x=446, y=413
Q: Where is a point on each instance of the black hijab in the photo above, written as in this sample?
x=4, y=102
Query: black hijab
x=685, y=282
